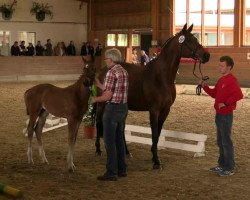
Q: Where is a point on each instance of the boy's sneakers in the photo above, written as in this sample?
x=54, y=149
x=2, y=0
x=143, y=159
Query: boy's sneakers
x=216, y=169
x=226, y=173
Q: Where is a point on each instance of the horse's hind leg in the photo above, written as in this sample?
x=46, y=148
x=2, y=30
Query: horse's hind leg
x=73, y=126
x=38, y=130
x=30, y=130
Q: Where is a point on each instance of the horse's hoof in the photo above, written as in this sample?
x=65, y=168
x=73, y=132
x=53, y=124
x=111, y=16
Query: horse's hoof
x=129, y=155
x=98, y=153
x=157, y=166
x=70, y=170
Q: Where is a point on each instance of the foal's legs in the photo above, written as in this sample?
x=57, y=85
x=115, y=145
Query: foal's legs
x=73, y=126
x=38, y=131
x=30, y=129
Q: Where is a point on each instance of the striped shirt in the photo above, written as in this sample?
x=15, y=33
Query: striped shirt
x=116, y=81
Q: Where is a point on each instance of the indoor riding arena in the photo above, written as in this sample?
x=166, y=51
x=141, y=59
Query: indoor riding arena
x=187, y=150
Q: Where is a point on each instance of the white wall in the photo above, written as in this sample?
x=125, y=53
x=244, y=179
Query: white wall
x=68, y=23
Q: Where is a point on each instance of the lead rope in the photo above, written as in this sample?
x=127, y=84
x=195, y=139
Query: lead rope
x=204, y=78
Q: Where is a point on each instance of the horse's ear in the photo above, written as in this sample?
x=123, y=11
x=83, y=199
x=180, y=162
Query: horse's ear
x=84, y=60
x=190, y=28
x=184, y=27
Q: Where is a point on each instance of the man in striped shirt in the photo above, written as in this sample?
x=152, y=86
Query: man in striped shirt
x=115, y=93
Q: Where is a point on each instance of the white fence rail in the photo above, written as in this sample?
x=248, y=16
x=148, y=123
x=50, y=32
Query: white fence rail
x=181, y=138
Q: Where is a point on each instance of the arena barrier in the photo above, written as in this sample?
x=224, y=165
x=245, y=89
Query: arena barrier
x=183, y=141
x=51, y=123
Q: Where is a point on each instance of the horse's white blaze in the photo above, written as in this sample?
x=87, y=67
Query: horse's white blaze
x=42, y=154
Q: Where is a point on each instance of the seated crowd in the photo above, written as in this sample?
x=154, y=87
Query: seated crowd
x=59, y=50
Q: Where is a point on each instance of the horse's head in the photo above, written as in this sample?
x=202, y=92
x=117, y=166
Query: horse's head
x=89, y=72
x=190, y=46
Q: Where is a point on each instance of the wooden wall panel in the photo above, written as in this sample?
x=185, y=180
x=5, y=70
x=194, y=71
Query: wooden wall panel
x=122, y=7
x=121, y=14
x=122, y=22
x=40, y=67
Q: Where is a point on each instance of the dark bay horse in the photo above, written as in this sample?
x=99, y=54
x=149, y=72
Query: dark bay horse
x=152, y=87
x=70, y=103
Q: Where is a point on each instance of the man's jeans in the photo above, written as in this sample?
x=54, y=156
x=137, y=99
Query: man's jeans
x=113, y=135
x=226, y=149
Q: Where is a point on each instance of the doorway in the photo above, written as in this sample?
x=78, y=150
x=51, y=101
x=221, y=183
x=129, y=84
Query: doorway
x=146, y=42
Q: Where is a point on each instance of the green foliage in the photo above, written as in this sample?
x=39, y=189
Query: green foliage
x=8, y=8
x=89, y=118
x=41, y=8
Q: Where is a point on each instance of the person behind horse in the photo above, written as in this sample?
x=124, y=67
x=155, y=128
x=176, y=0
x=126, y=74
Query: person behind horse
x=39, y=49
x=226, y=93
x=135, y=56
x=144, y=58
x=48, y=50
x=15, y=50
x=115, y=92
x=71, y=50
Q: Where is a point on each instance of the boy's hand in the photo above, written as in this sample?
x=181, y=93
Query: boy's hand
x=202, y=83
x=221, y=105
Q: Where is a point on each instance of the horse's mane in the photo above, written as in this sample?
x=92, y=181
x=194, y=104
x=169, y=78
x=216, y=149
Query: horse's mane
x=168, y=40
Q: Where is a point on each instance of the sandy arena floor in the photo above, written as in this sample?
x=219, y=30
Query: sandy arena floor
x=182, y=177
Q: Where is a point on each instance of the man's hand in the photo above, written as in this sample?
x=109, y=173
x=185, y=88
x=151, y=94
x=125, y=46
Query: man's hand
x=93, y=100
x=221, y=105
x=99, y=84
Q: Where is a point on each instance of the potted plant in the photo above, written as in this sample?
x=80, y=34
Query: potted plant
x=90, y=117
x=40, y=10
x=7, y=10
x=89, y=128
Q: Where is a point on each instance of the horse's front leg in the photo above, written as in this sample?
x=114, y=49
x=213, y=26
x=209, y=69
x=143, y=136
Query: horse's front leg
x=99, y=134
x=73, y=126
x=155, y=138
x=156, y=127
x=99, y=127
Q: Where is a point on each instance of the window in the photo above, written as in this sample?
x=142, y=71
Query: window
x=111, y=40
x=180, y=13
x=195, y=17
x=4, y=38
x=135, y=40
x=226, y=22
x=246, y=31
x=27, y=37
x=122, y=40
x=208, y=18
x=4, y=42
x=210, y=22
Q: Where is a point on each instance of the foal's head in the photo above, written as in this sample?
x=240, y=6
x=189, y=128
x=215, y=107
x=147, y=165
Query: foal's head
x=89, y=72
x=190, y=46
